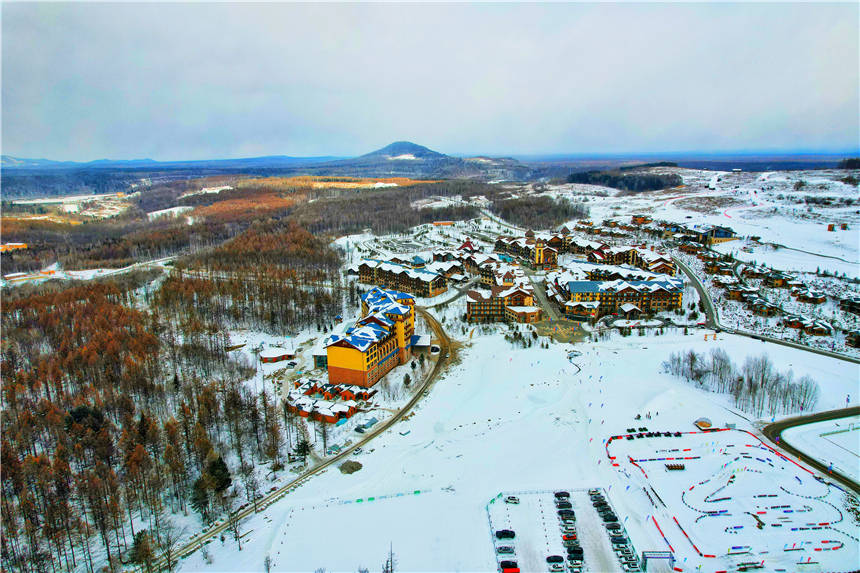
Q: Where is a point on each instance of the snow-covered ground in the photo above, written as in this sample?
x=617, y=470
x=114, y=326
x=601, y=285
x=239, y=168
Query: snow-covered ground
x=171, y=212
x=731, y=500
x=766, y=205
x=834, y=442
x=508, y=419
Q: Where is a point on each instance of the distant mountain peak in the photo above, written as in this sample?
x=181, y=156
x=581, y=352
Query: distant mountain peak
x=405, y=150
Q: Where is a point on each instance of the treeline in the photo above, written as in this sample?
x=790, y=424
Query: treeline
x=115, y=418
x=132, y=237
x=627, y=181
x=126, y=283
x=384, y=210
x=849, y=163
x=538, y=212
x=55, y=182
x=756, y=387
x=217, y=217
x=646, y=165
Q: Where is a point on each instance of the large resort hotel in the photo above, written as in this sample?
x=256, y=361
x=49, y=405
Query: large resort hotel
x=382, y=339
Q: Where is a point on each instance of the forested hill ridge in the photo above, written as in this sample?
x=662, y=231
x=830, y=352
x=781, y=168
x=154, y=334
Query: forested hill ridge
x=23, y=177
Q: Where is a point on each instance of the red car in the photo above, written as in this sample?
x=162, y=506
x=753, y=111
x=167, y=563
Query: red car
x=569, y=537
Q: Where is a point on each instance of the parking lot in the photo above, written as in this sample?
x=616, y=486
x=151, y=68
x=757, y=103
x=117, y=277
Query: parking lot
x=538, y=531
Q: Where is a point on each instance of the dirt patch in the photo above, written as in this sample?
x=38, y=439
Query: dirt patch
x=349, y=467
x=708, y=205
x=561, y=330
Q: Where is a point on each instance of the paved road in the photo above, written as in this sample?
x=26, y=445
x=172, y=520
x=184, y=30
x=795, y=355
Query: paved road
x=710, y=312
x=540, y=295
x=774, y=432
x=223, y=525
x=712, y=322
x=501, y=221
x=461, y=291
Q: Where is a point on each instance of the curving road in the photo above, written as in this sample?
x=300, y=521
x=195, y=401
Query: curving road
x=713, y=322
x=267, y=500
x=774, y=432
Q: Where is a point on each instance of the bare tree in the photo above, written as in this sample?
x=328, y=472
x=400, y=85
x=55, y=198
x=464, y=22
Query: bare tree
x=168, y=539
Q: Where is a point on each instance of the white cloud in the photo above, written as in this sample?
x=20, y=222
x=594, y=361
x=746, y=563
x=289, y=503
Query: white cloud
x=181, y=81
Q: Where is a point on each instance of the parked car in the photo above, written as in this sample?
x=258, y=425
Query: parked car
x=613, y=525
x=568, y=537
x=505, y=550
x=555, y=559
x=610, y=517
x=563, y=505
x=505, y=534
x=508, y=566
x=562, y=495
x=570, y=543
x=556, y=567
x=356, y=451
x=512, y=499
x=566, y=513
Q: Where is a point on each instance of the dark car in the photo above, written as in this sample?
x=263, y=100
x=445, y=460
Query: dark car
x=566, y=512
x=561, y=495
x=563, y=505
x=677, y=434
x=575, y=552
x=610, y=517
x=555, y=559
x=613, y=525
x=643, y=429
x=508, y=564
x=618, y=540
x=505, y=534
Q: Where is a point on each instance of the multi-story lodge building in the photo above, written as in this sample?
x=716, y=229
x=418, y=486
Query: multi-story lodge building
x=502, y=304
x=635, y=256
x=649, y=296
x=379, y=341
x=535, y=252
x=419, y=281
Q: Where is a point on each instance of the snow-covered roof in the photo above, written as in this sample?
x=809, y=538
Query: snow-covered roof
x=521, y=309
x=424, y=274
x=583, y=304
x=375, y=326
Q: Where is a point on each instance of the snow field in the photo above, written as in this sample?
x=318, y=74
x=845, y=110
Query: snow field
x=737, y=501
x=834, y=442
x=502, y=419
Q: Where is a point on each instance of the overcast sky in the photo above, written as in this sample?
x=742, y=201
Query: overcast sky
x=196, y=81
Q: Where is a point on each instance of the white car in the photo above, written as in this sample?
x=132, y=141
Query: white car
x=512, y=499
